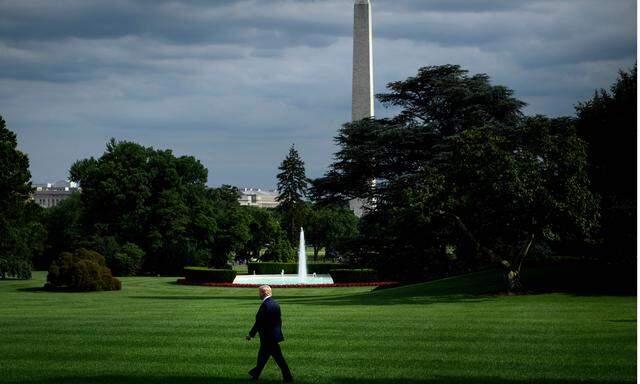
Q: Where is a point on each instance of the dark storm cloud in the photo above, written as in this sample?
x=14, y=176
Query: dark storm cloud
x=236, y=82
x=241, y=22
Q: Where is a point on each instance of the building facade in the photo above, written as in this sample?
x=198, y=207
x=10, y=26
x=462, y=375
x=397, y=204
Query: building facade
x=256, y=197
x=49, y=195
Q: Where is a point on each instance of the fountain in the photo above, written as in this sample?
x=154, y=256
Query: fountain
x=302, y=259
x=288, y=279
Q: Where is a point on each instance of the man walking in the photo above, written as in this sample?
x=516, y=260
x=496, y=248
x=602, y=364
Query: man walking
x=268, y=325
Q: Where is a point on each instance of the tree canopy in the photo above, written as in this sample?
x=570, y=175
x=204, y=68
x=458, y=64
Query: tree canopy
x=329, y=227
x=463, y=179
x=160, y=203
x=607, y=122
x=21, y=233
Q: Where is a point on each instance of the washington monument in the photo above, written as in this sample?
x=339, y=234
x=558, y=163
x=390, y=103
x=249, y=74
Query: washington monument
x=362, y=97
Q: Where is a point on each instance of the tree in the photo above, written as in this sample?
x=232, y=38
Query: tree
x=438, y=102
x=21, y=233
x=448, y=100
x=64, y=229
x=233, y=225
x=265, y=230
x=328, y=227
x=608, y=124
x=279, y=250
x=292, y=189
x=122, y=259
x=152, y=199
x=507, y=186
x=463, y=179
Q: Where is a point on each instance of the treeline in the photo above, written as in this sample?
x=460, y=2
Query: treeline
x=147, y=211
x=459, y=180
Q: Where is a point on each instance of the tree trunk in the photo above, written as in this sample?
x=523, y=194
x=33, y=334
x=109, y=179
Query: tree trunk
x=479, y=247
x=315, y=253
x=513, y=271
x=512, y=277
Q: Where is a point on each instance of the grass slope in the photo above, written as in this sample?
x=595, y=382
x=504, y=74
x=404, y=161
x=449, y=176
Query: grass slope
x=154, y=331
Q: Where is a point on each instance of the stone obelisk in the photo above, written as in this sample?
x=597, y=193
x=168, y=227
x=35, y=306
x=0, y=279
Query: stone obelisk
x=362, y=97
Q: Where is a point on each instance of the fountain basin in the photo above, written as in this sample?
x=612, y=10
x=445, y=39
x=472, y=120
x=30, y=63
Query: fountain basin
x=302, y=285
x=277, y=280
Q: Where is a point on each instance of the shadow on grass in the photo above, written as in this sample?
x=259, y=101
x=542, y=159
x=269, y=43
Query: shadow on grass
x=116, y=379
x=32, y=289
x=253, y=298
x=356, y=299
x=461, y=289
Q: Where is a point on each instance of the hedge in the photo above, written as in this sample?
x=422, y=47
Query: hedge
x=274, y=268
x=353, y=275
x=209, y=275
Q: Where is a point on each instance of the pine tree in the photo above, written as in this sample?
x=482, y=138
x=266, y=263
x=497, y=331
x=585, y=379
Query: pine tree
x=292, y=188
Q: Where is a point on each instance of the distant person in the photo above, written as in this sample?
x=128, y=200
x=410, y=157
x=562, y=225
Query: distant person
x=268, y=324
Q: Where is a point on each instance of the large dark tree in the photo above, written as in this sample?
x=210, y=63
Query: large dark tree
x=506, y=187
x=20, y=232
x=608, y=124
x=447, y=100
x=292, y=189
x=438, y=102
x=463, y=179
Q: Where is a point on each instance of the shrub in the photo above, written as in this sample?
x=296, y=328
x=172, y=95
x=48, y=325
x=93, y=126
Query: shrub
x=122, y=260
x=209, y=275
x=323, y=268
x=281, y=250
x=82, y=270
x=127, y=261
x=353, y=275
x=274, y=268
x=20, y=269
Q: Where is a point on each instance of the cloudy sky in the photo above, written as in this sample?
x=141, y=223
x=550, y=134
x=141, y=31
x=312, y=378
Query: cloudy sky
x=235, y=82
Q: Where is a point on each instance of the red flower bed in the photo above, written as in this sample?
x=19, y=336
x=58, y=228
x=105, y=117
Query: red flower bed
x=368, y=284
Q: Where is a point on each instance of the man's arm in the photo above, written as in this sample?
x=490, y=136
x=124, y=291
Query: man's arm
x=258, y=322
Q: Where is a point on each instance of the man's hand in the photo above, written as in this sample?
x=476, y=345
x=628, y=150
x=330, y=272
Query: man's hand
x=248, y=337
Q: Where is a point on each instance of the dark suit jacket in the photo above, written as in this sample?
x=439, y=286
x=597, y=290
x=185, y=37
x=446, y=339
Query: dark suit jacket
x=268, y=322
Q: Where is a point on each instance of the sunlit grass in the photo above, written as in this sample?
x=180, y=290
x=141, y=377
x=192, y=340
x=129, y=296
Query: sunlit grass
x=154, y=331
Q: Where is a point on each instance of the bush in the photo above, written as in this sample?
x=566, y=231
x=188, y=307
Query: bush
x=82, y=270
x=122, y=260
x=323, y=268
x=209, y=275
x=281, y=250
x=127, y=261
x=274, y=268
x=353, y=275
x=19, y=269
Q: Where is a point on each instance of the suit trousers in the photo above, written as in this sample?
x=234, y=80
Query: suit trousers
x=271, y=350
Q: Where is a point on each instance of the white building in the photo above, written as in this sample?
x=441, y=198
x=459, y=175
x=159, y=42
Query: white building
x=256, y=197
x=49, y=195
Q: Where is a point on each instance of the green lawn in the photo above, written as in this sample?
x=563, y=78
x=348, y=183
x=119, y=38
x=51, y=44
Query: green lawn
x=154, y=331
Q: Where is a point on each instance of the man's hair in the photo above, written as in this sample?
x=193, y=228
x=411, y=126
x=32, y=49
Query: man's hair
x=265, y=289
